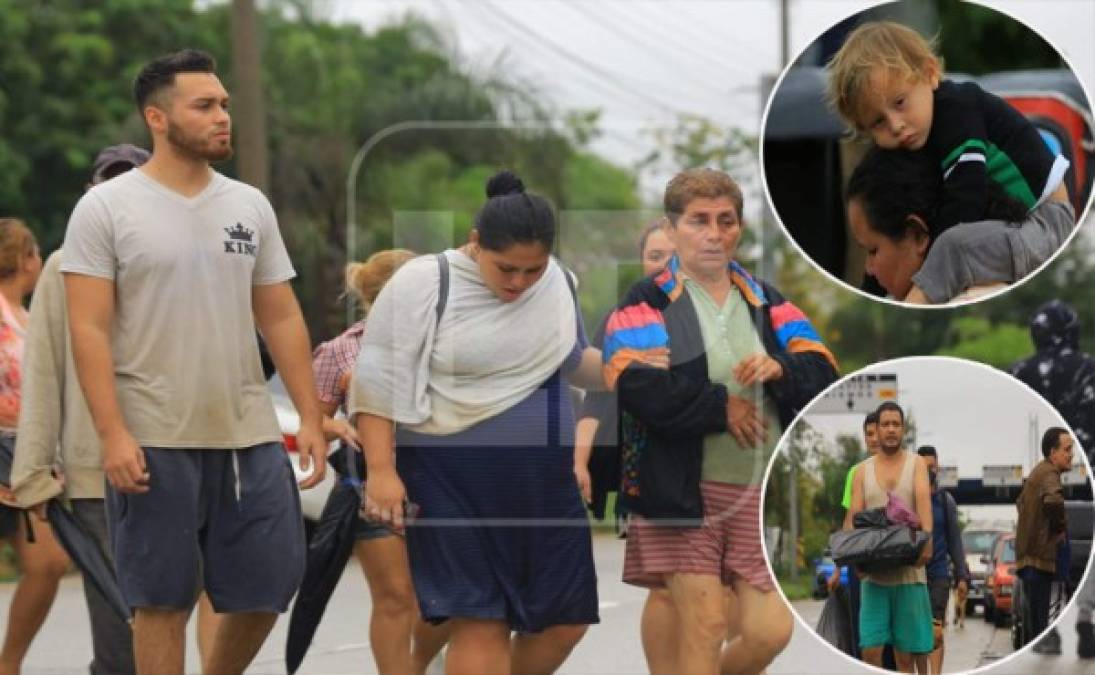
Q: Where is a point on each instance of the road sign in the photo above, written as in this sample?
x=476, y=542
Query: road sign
x=859, y=394
x=948, y=477
x=1002, y=475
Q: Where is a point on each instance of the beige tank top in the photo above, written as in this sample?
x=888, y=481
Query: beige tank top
x=873, y=497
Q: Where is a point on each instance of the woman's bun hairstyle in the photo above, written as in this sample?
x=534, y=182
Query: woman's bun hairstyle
x=504, y=183
x=513, y=216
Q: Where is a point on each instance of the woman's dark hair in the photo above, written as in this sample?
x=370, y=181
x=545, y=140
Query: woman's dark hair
x=659, y=223
x=160, y=73
x=513, y=216
x=892, y=185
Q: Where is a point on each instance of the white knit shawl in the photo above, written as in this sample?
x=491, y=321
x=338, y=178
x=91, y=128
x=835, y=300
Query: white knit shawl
x=484, y=356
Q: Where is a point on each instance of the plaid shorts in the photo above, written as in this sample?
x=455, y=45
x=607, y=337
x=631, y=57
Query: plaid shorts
x=726, y=545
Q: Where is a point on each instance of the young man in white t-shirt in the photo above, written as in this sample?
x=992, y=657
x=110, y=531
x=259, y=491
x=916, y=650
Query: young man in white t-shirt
x=168, y=269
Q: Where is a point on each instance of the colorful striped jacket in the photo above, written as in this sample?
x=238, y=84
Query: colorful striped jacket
x=667, y=412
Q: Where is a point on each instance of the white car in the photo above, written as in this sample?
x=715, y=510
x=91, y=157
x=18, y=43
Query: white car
x=313, y=499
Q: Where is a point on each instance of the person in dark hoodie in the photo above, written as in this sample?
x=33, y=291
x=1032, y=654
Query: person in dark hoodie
x=1065, y=376
x=1060, y=372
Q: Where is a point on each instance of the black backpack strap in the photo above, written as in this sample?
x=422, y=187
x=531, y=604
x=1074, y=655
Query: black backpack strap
x=570, y=283
x=443, y=284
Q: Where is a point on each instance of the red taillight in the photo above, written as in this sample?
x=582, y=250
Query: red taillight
x=290, y=441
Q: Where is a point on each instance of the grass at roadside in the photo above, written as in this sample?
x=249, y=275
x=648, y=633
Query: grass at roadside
x=609, y=523
x=796, y=590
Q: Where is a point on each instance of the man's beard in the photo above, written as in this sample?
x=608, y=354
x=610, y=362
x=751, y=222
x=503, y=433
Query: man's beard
x=889, y=451
x=196, y=148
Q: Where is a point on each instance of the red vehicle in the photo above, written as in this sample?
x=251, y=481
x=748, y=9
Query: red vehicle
x=1000, y=579
x=1055, y=102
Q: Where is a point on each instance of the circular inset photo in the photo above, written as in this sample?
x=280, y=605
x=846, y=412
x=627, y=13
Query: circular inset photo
x=930, y=512
x=929, y=153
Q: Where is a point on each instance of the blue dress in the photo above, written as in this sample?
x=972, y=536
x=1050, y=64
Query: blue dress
x=501, y=531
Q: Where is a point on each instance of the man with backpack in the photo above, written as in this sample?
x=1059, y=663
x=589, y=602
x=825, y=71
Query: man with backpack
x=946, y=551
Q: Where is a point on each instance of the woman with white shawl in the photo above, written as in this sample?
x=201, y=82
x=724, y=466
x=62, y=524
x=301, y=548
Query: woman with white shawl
x=463, y=368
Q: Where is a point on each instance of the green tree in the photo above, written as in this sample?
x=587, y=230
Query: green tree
x=66, y=69
x=977, y=338
x=978, y=40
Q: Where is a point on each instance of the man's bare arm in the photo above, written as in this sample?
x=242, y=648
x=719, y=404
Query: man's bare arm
x=90, y=302
x=281, y=323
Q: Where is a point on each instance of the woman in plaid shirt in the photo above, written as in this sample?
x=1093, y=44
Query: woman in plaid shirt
x=382, y=555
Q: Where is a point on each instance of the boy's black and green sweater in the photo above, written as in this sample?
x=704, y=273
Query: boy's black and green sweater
x=977, y=137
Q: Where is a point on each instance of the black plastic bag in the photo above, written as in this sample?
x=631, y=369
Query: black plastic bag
x=877, y=548
x=835, y=624
x=871, y=518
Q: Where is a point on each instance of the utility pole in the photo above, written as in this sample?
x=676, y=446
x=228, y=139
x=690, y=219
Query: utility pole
x=792, y=492
x=249, y=108
x=768, y=266
x=784, y=32
x=1033, y=442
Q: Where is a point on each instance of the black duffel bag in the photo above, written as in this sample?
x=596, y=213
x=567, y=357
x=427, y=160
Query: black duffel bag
x=874, y=549
x=871, y=518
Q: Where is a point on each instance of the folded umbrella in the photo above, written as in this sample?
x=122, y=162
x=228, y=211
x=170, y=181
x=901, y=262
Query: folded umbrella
x=330, y=548
x=83, y=548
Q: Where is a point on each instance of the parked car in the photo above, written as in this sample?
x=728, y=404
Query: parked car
x=977, y=541
x=312, y=500
x=823, y=569
x=1080, y=515
x=1000, y=579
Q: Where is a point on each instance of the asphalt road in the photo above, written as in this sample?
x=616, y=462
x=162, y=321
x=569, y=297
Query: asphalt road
x=978, y=645
x=610, y=648
x=968, y=647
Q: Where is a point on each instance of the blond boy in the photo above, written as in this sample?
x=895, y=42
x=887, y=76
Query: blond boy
x=886, y=82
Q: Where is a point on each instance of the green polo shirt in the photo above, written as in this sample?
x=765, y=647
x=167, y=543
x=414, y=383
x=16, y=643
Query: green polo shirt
x=728, y=337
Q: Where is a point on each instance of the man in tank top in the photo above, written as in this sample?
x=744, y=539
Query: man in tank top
x=895, y=607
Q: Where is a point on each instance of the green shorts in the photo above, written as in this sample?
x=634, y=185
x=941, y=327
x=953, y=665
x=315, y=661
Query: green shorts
x=900, y=615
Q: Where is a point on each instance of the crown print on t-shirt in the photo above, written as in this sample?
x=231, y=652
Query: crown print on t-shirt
x=239, y=240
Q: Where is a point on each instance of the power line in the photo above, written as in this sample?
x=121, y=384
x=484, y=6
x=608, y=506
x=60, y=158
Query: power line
x=655, y=30
x=592, y=85
x=642, y=40
x=733, y=39
x=608, y=78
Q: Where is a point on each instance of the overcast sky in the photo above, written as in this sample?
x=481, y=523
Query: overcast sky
x=644, y=62
x=974, y=415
